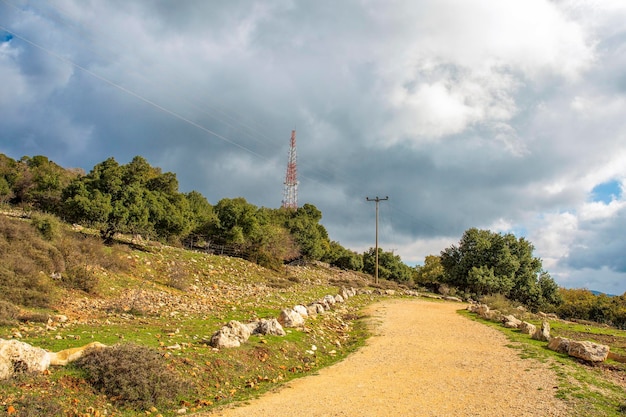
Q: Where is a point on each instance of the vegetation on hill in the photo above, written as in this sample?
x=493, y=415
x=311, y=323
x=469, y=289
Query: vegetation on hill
x=159, y=305
x=141, y=200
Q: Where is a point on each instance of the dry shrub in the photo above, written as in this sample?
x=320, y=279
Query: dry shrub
x=178, y=277
x=501, y=303
x=34, y=405
x=25, y=255
x=8, y=313
x=135, y=376
x=80, y=277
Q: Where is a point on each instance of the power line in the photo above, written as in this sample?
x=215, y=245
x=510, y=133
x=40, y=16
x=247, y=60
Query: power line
x=133, y=93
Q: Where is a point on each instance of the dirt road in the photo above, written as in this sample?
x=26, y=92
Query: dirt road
x=424, y=360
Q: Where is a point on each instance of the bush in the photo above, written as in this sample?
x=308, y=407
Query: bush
x=8, y=313
x=47, y=225
x=80, y=277
x=33, y=405
x=135, y=376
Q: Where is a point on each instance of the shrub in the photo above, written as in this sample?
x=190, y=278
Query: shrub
x=135, y=376
x=8, y=313
x=33, y=405
x=80, y=277
x=47, y=225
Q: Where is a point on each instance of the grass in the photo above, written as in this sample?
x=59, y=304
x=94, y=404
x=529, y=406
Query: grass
x=589, y=390
x=171, y=301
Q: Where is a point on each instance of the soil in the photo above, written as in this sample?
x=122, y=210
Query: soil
x=423, y=360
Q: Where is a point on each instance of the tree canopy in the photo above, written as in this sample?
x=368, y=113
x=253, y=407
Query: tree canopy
x=485, y=263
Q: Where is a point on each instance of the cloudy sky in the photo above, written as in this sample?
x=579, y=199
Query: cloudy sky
x=506, y=115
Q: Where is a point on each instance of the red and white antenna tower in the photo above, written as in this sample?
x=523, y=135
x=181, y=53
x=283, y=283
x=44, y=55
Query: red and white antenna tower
x=290, y=192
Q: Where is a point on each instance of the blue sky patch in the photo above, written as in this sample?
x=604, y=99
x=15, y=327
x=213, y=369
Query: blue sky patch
x=606, y=191
x=5, y=36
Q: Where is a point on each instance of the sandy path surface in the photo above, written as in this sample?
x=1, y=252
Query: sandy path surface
x=423, y=360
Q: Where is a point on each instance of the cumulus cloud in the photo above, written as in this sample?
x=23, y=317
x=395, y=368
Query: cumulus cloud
x=502, y=115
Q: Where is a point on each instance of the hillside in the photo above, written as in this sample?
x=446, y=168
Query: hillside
x=70, y=289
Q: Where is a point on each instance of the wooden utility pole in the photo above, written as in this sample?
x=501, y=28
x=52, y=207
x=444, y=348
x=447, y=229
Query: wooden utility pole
x=377, y=200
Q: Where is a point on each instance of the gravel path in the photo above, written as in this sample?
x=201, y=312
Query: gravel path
x=423, y=360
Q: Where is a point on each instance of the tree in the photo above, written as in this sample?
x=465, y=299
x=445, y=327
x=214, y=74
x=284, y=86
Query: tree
x=429, y=273
x=390, y=266
x=487, y=263
x=343, y=258
x=237, y=222
x=311, y=237
x=134, y=198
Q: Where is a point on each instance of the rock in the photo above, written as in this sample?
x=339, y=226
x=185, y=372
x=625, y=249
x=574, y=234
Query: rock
x=16, y=356
x=559, y=344
x=339, y=299
x=319, y=308
x=269, y=326
x=390, y=292
x=450, y=298
x=493, y=315
x=66, y=356
x=312, y=310
x=482, y=310
x=472, y=308
x=329, y=299
x=527, y=328
x=511, y=322
x=543, y=334
x=344, y=293
x=589, y=351
x=302, y=310
x=231, y=335
x=290, y=318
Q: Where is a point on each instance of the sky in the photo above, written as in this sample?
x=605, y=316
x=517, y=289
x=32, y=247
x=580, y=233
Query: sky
x=504, y=115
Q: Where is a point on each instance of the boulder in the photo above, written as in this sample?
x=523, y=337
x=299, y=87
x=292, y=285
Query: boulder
x=588, y=351
x=302, y=310
x=451, y=298
x=66, y=356
x=329, y=299
x=493, y=315
x=268, y=326
x=559, y=344
x=390, y=292
x=16, y=357
x=527, y=328
x=482, y=310
x=543, y=334
x=511, y=321
x=231, y=335
x=339, y=299
x=319, y=308
x=344, y=293
x=290, y=318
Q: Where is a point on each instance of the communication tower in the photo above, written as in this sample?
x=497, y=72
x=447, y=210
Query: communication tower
x=290, y=192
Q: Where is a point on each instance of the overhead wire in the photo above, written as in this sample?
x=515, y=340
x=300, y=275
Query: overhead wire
x=233, y=123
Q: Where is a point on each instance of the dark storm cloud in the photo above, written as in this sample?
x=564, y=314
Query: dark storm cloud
x=461, y=121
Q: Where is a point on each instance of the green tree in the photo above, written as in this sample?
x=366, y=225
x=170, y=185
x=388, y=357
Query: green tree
x=237, y=221
x=311, y=237
x=487, y=263
x=343, y=258
x=390, y=266
x=133, y=198
x=429, y=273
